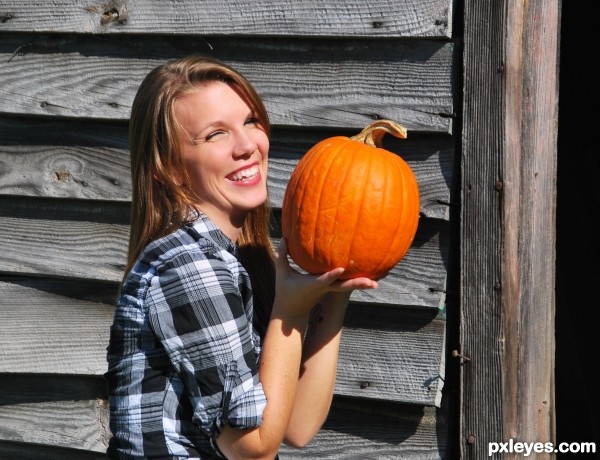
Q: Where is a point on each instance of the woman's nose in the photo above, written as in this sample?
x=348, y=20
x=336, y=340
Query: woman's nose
x=244, y=145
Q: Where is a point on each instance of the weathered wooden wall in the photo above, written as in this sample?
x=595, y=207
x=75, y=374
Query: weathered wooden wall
x=68, y=73
x=507, y=227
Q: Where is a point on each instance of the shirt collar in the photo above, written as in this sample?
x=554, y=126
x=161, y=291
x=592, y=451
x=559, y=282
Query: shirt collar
x=207, y=228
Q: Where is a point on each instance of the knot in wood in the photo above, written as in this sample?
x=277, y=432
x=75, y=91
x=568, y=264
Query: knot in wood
x=114, y=12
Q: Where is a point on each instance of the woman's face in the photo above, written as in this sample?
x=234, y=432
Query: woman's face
x=225, y=152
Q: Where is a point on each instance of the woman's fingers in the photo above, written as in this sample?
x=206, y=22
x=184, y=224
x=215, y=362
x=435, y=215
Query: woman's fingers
x=331, y=280
x=331, y=276
x=292, y=284
x=359, y=283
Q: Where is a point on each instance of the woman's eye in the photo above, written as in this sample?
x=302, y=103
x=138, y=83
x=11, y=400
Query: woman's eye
x=213, y=134
x=252, y=121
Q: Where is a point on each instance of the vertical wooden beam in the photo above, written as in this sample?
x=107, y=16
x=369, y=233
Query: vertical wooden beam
x=510, y=114
x=529, y=215
x=481, y=227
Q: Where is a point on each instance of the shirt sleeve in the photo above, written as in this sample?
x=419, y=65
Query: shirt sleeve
x=198, y=314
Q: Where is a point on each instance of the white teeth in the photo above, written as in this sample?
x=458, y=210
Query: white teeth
x=245, y=174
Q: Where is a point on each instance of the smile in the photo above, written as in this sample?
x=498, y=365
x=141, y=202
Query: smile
x=244, y=174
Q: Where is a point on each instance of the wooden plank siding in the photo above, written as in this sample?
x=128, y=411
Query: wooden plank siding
x=349, y=84
x=90, y=160
x=69, y=72
x=351, y=18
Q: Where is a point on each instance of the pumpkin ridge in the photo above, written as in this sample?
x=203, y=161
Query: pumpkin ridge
x=415, y=198
x=397, y=246
x=300, y=196
x=286, y=218
x=365, y=150
x=409, y=180
x=329, y=154
x=387, y=206
x=376, y=268
x=340, y=190
x=404, y=212
x=293, y=200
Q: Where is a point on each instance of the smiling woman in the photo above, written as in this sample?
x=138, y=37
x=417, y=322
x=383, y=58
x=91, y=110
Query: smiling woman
x=225, y=151
x=212, y=353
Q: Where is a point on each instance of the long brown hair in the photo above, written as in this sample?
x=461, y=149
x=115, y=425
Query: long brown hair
x=160, y=203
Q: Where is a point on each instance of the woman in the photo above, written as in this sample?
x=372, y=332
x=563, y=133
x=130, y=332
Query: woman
x=218, y=349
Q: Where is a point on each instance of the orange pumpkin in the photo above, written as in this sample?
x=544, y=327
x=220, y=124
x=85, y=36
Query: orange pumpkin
x=350, y=203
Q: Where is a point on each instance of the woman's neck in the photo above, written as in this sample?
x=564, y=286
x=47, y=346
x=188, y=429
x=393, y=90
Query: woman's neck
x=228, y=224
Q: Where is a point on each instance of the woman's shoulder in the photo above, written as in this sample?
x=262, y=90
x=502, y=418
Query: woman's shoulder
x=180, y=254
x=196, y=248
x=184, y=244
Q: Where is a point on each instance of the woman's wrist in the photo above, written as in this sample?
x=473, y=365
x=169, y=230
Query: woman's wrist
x=336, y=299
x=289, y=319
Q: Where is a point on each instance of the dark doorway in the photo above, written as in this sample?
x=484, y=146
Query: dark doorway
x=578, y=232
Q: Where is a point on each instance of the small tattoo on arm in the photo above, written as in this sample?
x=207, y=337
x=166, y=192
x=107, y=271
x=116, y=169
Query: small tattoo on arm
x=316, y=317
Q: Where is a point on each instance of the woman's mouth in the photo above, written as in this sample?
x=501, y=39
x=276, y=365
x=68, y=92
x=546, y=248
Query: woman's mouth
x=245, y=174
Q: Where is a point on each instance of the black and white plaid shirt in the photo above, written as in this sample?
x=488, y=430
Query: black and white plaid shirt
x=183, y=355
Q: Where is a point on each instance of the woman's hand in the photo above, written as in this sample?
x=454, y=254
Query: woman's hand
x=297, y=293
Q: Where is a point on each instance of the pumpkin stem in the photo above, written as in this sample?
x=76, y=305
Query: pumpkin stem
x=373, y=134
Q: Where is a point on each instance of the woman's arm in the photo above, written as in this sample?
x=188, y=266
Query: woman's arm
x=298, y=398
x=279, y=364
x=318, y=369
